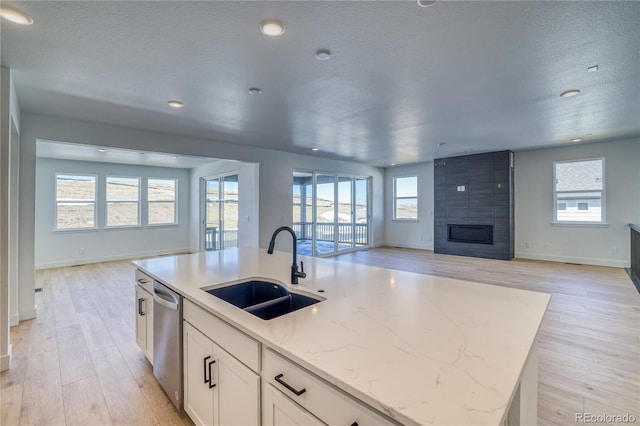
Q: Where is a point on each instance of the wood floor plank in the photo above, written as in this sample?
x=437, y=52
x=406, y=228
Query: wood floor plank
x=94, y=330
x=125, y=402
x=42, y=401
x=162, y=408
x=75, y=360
x=84, y=403
x=10, y=404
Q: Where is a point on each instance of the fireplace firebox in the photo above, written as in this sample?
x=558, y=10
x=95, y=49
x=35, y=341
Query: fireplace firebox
x=474, y=234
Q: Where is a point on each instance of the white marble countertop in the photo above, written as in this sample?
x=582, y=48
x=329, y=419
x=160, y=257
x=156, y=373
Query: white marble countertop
x=420, y=348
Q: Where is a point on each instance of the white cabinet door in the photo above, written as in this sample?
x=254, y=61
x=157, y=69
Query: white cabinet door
x=218, y=389
x=198, y=361
x=281, y=411
x=144, y=322
x=238, y=391
x=148, y=314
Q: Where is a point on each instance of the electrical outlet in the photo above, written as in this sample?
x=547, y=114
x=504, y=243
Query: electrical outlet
x=527, y=244
x=614, y=250
x=546, y=245
x=81, y=251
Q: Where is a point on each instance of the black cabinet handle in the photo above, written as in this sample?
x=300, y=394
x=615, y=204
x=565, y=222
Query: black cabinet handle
x=288, y=386
x=142, y=281
x=211, y=384
x=204, y=369
x=140, y=300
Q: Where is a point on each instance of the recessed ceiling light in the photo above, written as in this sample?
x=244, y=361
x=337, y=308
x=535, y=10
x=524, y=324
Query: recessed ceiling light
x=392, y=164
x=315, y=148
x=426, y=3
x=323, y=54
x=271, y=27
x=255, y=91
x=174, y=156
x=569, y=93
x=175, y=104
x=102, y=150
x=592, y=69
x=15, y=16
x=576, y=140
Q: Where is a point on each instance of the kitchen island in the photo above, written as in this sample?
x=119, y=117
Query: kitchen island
x=418, y=349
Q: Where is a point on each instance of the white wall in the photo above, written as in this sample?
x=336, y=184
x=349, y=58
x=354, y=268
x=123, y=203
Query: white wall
x=64, y=248
x=582, y=244
x=248, y=201
x=410, y=234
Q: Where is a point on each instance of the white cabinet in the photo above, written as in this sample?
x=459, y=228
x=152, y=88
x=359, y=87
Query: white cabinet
x=218, y=389
x=291, y=391
x=278, y=410
x=144, y=314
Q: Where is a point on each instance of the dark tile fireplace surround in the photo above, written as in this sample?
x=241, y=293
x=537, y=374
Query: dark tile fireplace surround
x=473, y=213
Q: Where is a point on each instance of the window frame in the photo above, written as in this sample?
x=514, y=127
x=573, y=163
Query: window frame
x=603, y=209
x=396, y=198
x=175, y=202
x=138, y=224
x=95, y=202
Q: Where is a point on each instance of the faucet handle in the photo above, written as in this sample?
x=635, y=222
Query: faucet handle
x=302, y=266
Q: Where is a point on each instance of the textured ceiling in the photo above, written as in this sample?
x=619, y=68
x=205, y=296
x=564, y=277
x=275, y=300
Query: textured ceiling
x=475, y=76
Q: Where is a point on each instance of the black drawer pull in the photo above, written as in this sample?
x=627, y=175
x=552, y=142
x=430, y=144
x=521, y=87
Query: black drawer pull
x=211, y=384
x=288, y=386
x=142, y=281
x=140, y=300
x=204, y=369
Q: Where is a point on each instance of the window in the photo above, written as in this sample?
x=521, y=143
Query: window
x=161, y=197
x=75, y=201
x=123, y=199
x=405, y=197
x=579, y=191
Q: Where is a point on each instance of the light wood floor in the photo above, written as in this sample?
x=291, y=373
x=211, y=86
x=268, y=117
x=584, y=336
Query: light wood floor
x=78, y=362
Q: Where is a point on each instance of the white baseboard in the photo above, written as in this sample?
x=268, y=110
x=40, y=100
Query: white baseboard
x=428, y=246
x=569, y=259
x=27, y=314
x=5, y=360
x=14, y=320
x=84, y=261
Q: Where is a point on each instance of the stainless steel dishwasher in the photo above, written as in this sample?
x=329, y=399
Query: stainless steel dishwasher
x=167, y=341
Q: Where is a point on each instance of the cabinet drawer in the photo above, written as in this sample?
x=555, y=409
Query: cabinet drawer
x=234, y=341
x=144, y=281
x=324, y=401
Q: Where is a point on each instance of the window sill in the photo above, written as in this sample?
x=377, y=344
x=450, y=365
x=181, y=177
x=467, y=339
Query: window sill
x=74, y=230
x=581, y=224
x=405, y=220
x=122, y=228
x=162, y=225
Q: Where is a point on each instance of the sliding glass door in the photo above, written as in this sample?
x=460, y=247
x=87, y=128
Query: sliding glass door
x=221, y=212
x=330, y=212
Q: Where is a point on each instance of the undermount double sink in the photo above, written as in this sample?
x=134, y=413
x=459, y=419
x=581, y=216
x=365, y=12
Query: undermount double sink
x=263, y=299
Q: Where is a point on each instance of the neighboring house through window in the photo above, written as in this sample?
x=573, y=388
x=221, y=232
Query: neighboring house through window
x=579, y=191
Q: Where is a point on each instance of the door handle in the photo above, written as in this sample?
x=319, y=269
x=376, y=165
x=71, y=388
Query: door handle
x=211, y=384
x=140, y=300
x=204, y=369
x=278, y=379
